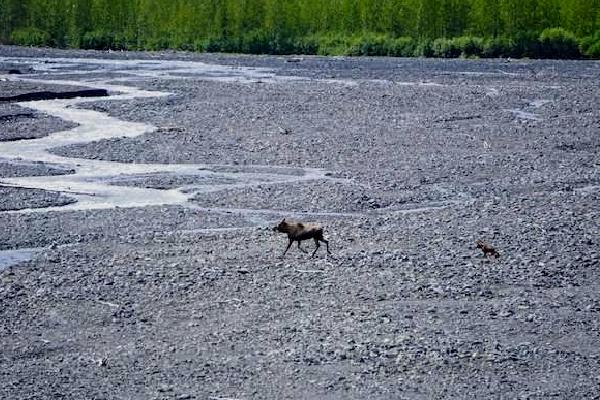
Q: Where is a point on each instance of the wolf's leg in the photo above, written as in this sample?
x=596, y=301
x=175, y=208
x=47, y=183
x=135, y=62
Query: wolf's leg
x=300, y=248
x=326, y=244
x=316, y=248
x=287, y=248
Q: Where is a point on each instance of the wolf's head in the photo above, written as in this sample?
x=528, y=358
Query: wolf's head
x=281, y=227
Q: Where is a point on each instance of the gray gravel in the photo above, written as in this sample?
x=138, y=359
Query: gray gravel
x=16, y=168
x=19, y=198
x=308, y=197
x=167, y=181
x=184, y=303
x=18, y=123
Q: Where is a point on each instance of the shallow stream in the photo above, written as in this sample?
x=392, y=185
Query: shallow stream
x=91, y=184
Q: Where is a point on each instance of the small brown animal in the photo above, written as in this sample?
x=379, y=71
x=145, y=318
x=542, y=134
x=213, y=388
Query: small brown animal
x=298, y=231
x=487, y=249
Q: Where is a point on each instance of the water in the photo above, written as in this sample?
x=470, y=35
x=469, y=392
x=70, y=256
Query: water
x=90, y=184
x=12, y=257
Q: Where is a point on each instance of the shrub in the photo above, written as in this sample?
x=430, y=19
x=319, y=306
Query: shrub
x=585, y=44
x=401, y=47
x=180, y=42
x=199, y=45
x=97, y=40
x=524, y=44
x=558, y=43
x=74, y=39
x=281, y=44
x=594, y=50
x=497, y=47
x=160, y=42
x=230, y=44
x=307, y=45
x=31, y=37
x=373, y=45
x=256, y=42
x=424, y=49
x=588, y=46
x=213, y=45
x=260, y=41
x=469, y=46
x=352, y=49
x=333, y=44
x=123, y=42
x=185, y=46
x=445, y=48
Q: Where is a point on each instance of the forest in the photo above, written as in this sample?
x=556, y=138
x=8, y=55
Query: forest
x=406, y=28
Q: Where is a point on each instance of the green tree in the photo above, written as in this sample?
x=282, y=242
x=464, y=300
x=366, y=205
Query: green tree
x=429, y=21
x=485, y=18
x=356, y=26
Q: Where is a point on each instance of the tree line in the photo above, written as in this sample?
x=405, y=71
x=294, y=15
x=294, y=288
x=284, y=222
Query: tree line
x=444, y=28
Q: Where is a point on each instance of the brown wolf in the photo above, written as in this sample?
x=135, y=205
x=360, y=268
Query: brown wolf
x=487, y=249
x=298, y=231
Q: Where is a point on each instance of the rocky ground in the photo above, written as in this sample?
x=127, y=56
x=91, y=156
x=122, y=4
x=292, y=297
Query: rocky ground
x=18, y=198
x=18, y=123
x=423, y=157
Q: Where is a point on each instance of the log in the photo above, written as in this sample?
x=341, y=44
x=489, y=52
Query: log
x=49, y=95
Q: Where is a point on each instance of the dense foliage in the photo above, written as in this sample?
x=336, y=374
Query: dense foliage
x=443, y=28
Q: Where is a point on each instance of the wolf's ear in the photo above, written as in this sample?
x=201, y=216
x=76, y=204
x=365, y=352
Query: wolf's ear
x=283, y=220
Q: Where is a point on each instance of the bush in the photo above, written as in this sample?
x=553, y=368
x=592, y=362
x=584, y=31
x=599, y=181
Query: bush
x=369, y=44
x=74, y=38
x=424, y=49
x=332, y=44
x=281, y=44
x=157, y=43
x=31, y=37
x=558, y=43
x=469, y=46
x=401, y=47
x=210, y=45
x=101, y=40
x=585, y=44
x=230, y=44
x=373, y=45
x=445, y=48
x=594, y=51
x=123, y=42
x=307, y=45
x=199, y=45
x=588, y=46
x=97, y=40
x=256, y=42
x=497, y=47
x=185, y=46
x=353, y=47
x=525, y=44
x=180, y=42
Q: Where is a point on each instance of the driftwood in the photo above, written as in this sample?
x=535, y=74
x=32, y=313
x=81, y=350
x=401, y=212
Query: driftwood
x=47, y=95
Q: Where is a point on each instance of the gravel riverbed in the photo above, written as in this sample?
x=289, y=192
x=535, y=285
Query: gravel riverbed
x=416, y=160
